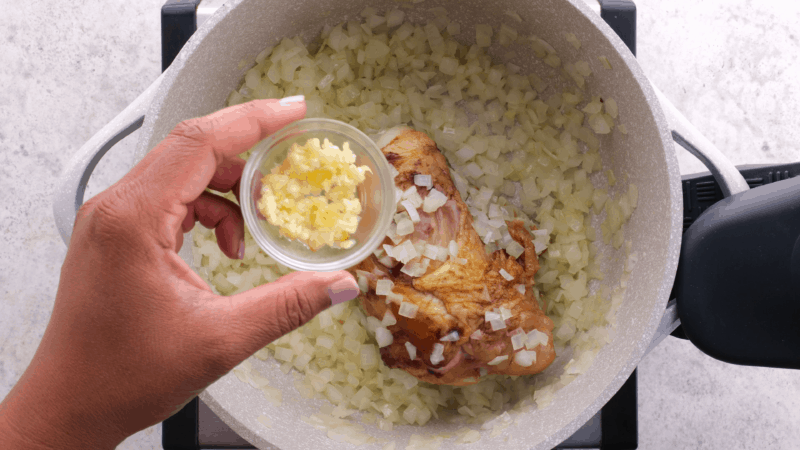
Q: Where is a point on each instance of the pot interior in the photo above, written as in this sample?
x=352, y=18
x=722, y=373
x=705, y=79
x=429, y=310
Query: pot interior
x=213, y=63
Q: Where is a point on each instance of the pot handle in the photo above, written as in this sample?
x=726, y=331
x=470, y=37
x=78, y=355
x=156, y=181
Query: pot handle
x=71, y=184
x=687, y=136
x=728, y=177
x=669, y=322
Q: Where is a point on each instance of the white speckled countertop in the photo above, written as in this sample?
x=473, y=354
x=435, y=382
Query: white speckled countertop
x=731, y=66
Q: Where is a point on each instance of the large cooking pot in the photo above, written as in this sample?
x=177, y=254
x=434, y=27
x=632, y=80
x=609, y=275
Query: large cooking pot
x=209, y=67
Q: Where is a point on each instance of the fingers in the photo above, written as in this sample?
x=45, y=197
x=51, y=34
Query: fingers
x=202, y=150
x=265, y=313
x=227, y=176
x=221, y=214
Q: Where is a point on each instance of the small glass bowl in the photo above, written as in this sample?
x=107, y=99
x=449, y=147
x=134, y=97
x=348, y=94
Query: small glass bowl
x=377, y=195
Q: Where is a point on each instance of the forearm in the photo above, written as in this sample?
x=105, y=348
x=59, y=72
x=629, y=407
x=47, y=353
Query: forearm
x=34, y=416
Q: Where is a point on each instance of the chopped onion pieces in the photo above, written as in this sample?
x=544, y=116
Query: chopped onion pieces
x=497, y=324
x=525, y=358
x=518, y=340
x=408, y=310
x=412, y=350
x=453, y=248
x=498, y=360
x=437, y=355
x=450, y=337
x=535, y=338
x=384, y=287
x=433, y=201
x=388, y=319
x=411, y=210
x=423, y=180
x=384, y=337
x=405, y=227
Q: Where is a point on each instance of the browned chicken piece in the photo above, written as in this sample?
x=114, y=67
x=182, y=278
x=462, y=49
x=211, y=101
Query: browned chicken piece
x=452, y=297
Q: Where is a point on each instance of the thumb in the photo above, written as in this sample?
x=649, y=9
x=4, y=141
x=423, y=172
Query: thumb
x=265, y=313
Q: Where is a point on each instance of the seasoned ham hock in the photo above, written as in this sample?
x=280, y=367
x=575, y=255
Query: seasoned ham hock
x=465, y=309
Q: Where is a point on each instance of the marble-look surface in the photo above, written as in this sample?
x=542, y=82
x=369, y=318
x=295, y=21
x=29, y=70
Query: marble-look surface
x=67, y=68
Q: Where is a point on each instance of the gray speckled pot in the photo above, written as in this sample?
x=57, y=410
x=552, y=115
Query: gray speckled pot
x=209, y=67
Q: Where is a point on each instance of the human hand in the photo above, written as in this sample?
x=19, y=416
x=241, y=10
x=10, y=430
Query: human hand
x=135, y=333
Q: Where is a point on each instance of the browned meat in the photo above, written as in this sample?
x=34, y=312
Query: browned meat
x=452, y=296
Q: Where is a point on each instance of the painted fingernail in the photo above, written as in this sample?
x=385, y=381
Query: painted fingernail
x=343, y=290
x=286, y=101
x=241, y=249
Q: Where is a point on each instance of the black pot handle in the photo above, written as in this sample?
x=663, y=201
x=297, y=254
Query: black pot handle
x=178, y=24
x=738, y=280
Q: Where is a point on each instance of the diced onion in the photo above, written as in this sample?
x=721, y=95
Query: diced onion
x=394, y=297
x=431, y=251
x=408, y=310
x=443, y=254
x=405, y=227
x=384, y=287
x=372, y=324
x=384, y=337
x=525, y=358
x=404, y=252
x=518, y=340
x=411, y=210
x=465, y=153
x=398, y=194
x=497, y=324
x=498, y=360
x=453, y=248
x=416, y=268
x=504, y=273
x=515, y=250
x=388, y=319
x=363, y=283
x=325, y=319
x=505, y=313
x=450, y=337
x=399, y=217
x=465, y=411
x=535, y=338
x=491, y=315
x=368, y=358
x=423, y=180
x=437, y=355
x=387, y=261
x=434, y=201
x=325, y=341
x=413, y=197
x=412, y=350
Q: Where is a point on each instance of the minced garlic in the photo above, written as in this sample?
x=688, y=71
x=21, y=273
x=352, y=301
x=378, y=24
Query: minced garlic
x=311, y=196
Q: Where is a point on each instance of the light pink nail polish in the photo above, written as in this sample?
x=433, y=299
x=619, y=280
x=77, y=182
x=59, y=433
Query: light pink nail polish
x=241, y=249
x=343, y=290
x=286, y=101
